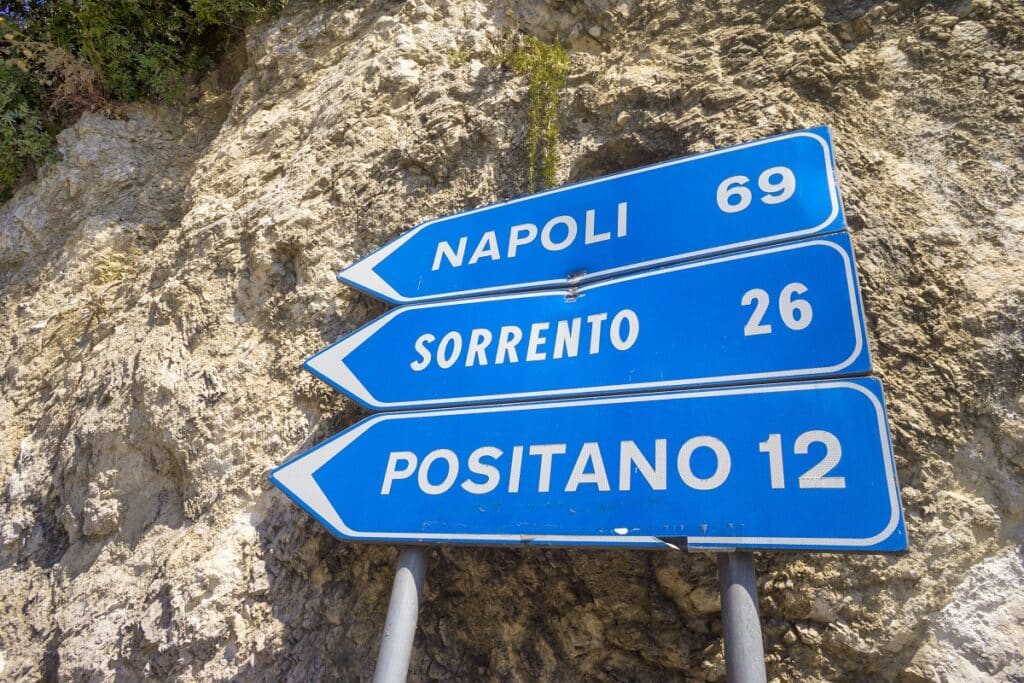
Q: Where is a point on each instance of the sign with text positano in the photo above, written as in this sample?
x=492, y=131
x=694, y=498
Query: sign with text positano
x=768, y=466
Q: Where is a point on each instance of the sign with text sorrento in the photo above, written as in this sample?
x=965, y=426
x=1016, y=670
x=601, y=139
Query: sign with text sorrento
x=782, y=312
x=757, y=193
x=738, y=467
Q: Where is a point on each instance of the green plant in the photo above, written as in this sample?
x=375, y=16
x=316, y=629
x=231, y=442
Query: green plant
x=25, y=137
x=62, y=57
x=459, y=57
x=145, y=48
x=546, y=67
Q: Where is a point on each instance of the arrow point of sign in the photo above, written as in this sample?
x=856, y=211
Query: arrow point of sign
x=362, y=275
x=296, y=479
x=329, y=365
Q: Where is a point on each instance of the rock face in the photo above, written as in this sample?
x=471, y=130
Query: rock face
x=160, y=286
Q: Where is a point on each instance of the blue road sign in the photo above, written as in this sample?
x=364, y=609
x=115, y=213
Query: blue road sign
x=787, y=311
x=770, y=466
x=761, y=192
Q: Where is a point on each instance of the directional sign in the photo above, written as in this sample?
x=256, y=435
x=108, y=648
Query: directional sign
x=788, y=311
x=771, y=466
x=757, y=193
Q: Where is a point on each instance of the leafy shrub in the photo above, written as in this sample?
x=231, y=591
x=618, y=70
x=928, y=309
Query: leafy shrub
x=24, y=136
x=61, y=57
x=546, y=66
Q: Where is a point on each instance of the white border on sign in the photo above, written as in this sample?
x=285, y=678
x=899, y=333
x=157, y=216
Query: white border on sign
x=361, y=274
x=296, y=476
x=329, y=364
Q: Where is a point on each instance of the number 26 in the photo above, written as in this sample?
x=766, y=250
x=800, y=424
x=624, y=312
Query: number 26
x=796, y=314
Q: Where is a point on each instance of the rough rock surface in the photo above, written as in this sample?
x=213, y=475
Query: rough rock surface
x=160, y=286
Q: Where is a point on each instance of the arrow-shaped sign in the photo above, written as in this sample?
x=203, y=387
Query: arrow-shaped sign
x=788, y=311
x=756, y=193
x=755, y=467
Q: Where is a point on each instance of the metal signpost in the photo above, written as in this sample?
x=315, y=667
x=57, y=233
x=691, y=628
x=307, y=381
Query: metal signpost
x=789, y=311
x=723, y=277
x=771, y=190
x=741, y=619
x=403, y=612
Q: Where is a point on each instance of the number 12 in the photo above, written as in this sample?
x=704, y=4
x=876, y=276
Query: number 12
x=813, y=478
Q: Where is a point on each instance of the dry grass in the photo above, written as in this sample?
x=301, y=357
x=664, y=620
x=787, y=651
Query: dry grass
x=74, y=85
x=115, y=266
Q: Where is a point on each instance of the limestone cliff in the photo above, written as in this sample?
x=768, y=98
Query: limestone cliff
x=161, y=284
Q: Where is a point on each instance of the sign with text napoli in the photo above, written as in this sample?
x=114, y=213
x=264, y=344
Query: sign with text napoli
x=782, y=312
x=771, y=190
x=771, y=466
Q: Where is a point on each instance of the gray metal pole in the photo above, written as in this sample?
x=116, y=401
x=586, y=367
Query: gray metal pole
x=741, y=619
x=403, y=611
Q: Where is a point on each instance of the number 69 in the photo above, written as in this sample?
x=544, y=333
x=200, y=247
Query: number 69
x=778, y=184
